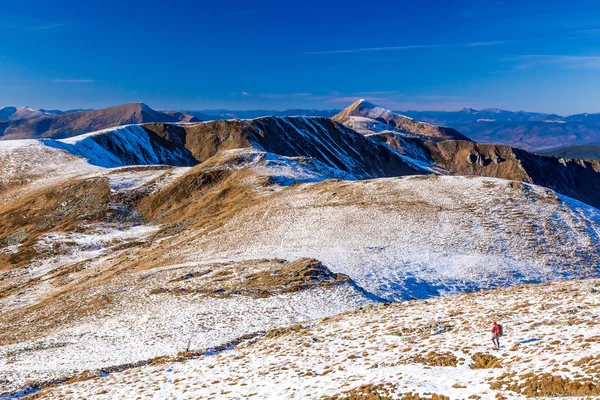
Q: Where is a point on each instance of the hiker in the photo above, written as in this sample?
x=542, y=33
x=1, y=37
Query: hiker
x=496, y=333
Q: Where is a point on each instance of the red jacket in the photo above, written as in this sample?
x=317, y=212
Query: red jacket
x=496, y=330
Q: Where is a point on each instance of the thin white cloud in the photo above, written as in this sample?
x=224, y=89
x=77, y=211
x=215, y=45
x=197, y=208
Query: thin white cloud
x=20, y=24
x=587, y=31
x=73, y=80
x=46, y=27
x=489, y=43
x=562, y=61
x=366, y=49
x=411, y=47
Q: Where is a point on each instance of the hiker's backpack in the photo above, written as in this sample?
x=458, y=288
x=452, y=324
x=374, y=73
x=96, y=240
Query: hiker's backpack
x=501, y=330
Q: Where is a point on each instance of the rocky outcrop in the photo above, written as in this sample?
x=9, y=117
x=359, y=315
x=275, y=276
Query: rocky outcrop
x=578, y=179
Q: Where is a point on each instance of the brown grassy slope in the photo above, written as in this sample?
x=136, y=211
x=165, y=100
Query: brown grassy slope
x=206, y=139
x=207, y=196
x=58, y=208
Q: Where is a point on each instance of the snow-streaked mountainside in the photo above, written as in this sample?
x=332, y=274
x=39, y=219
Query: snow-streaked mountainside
x=575, y=178
x=128, y=145
x=331, y=144
x=364, y=108
x=130, y=249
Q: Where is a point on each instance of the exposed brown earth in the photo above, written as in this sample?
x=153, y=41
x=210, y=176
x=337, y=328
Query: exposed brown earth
x=485, y=361
x=60, y=208
x=382, y=391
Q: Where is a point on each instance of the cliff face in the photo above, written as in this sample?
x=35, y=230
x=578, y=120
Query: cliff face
x=575, y=178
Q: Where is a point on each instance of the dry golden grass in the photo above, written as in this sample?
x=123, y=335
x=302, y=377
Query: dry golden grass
x=547, y=385
x=434, y=359
x=253, y=278
x=382, y=391
x=58, y=208
x=485, y=361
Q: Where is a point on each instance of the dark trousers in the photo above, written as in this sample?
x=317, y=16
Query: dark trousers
x=496, y=340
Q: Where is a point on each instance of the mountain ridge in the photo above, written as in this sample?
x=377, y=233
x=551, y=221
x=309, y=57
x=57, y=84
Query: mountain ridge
x=75, y=123
x=576, y=178
x=364, y=108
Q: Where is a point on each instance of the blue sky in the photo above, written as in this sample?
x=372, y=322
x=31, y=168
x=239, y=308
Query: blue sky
x=276, y=54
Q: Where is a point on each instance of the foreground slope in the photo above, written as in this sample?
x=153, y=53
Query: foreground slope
x=435, y=234
x=436, y=349
x=236, y=250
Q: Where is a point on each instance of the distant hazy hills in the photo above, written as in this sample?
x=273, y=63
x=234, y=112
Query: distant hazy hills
x=526, y=130
x=589, y=151
x=74, y=123
x=14, y=113
x=249, y=114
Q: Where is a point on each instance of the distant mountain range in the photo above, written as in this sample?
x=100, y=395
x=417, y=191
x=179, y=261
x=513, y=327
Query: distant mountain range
x=538, y=132
x=526, y=130
x=74, y=123
x=249, y=114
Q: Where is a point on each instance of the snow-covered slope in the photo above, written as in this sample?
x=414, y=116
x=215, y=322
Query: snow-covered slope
x=127, y=145
x=26, y=161
x=435, y=349
x=415, y=237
